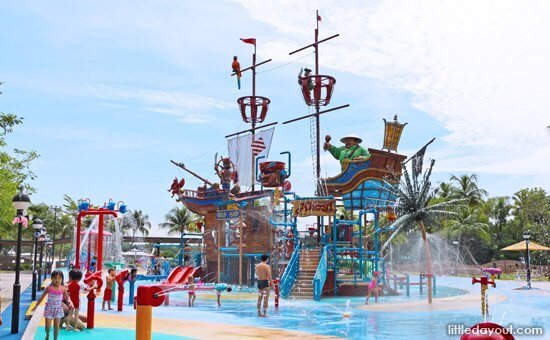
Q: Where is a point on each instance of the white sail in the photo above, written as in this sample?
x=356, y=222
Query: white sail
x=240, y=152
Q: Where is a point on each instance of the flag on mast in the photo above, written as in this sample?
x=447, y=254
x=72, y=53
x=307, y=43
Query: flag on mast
x=251, y=41
x=318, y=17
x=417, y=161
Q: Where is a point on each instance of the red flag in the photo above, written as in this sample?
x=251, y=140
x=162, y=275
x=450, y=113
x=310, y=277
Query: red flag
x=318, y=17
x=249, y=41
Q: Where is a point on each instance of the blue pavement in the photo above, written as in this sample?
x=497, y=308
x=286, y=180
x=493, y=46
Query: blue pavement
x=5, y=329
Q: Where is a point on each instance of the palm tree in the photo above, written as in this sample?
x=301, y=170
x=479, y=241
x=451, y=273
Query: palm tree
x=466, y=224
x=179, y=221
x=466, y=187
x=136, y=222
x=444, y=190
x=413, y=209
x=65, y=229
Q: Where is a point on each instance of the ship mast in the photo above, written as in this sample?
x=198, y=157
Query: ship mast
x=250, y=105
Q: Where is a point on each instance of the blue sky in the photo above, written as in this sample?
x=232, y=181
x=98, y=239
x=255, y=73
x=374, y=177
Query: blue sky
x=111, y=91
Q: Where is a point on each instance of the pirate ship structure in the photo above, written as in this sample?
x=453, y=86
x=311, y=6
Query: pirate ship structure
x=338, y=256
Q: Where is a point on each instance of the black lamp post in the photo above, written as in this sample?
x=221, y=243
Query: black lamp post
x=20, y=202
x=37, y=226
x=41, y=240
x=49, y=256
x=47, y=241
x=526, y=237
x=55, y=209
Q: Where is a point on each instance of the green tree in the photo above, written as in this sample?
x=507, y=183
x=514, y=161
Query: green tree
x=414, y=211
x=498, y=211
x=135, y=222
x=14, y=169
x=472, y=234
x=531, y=212
x=179, y=221
x=465, y=186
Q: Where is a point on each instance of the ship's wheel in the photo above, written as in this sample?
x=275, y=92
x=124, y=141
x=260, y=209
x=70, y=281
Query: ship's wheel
x=220, y=167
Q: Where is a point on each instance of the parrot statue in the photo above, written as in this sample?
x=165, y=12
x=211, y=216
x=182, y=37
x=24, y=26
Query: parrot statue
x=236, y=66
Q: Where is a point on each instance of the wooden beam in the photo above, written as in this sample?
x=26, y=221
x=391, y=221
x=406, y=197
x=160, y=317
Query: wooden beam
x=251, y=67
x=250, y=130
x=315, y=114
x=314, y=44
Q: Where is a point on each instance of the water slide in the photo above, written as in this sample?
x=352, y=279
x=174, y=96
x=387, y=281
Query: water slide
x=179, y=275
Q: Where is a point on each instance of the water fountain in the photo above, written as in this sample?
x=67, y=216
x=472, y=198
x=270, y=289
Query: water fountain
x=446, y=259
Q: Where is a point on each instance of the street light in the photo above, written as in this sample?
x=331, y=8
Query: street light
x=41, y=240
x=20, y=202
x=37, y=226
x=55, y=209
x=526, y=237
x=47, y=242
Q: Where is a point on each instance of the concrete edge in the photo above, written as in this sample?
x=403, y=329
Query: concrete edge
x=32, y=327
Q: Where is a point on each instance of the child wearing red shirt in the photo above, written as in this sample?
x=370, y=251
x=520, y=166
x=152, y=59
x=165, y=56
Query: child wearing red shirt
x=73, y=288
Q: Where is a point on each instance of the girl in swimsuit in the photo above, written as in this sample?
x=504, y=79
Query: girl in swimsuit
x=373, y=288
x=192, y=294
x=56, y=291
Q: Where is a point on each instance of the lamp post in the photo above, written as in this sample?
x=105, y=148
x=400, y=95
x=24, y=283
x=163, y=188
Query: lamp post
x=37, y=226
x=47, y=242
x=20, y=202
x=49, y=260
x=41, y=240
x=526, y=237
x=55, y=209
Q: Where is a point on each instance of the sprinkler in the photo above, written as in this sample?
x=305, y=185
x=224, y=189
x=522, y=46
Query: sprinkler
x=347, y=313
x=484, y=281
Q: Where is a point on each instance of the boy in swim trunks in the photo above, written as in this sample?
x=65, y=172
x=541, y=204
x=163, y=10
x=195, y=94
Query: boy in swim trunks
x=263, y=271
x=108, y=293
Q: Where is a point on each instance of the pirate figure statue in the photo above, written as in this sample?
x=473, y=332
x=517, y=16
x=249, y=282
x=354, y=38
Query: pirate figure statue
x=351, y=151
x=305, y=77
x=224, y=168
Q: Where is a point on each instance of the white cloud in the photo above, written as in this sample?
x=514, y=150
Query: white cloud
x=479, y=68
x=188, y=107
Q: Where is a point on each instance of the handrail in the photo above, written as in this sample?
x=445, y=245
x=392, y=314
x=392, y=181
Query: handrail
x=320, y=275
x=291, y=272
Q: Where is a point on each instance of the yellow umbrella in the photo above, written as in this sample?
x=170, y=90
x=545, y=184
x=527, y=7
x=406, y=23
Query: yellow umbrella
x=521, y=246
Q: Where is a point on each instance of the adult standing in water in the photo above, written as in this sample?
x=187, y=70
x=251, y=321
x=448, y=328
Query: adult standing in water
x=263, y=272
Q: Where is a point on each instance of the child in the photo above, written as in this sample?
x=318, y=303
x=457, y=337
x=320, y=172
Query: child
x=373, y=288
x=108, y=293
x=54, y=306
x=220, y=287
x=80, y=324
x=192, y=294
x=73, y=287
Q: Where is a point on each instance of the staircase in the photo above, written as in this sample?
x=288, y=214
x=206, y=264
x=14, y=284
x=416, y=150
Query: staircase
x=309, y=260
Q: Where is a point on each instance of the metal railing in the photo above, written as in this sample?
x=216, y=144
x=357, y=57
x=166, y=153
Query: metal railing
x=320, y=275
x=291, y=273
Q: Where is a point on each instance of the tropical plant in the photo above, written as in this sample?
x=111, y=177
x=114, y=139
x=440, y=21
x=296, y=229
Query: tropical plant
x=179, y=221
x=466, y=187
x=414, y=211
x=135, y=222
